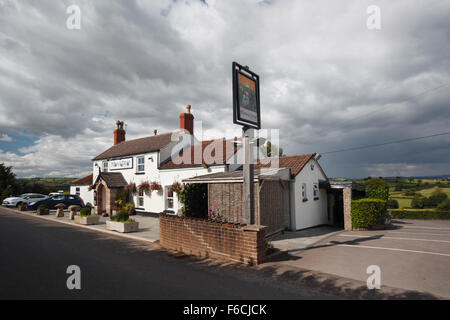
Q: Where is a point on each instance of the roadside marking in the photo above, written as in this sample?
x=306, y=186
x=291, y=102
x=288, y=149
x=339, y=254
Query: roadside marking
x=414, y=239
x=390, y=249
x=420, y=227
x=420, y=233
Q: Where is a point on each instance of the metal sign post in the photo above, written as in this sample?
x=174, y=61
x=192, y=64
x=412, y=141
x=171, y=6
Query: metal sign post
x=246, y=112
x=248, y=177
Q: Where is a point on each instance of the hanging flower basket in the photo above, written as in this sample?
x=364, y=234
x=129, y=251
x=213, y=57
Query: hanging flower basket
x=145, y=187
x=176, y=187
x=131, y=188
x=155, y=186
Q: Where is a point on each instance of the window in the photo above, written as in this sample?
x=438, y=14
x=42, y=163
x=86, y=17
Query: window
x=140, y=199
x=140, y=164
x=77, y=191
x=105, y=166
x=169, y=198
x=316, y=191
x=304, y=192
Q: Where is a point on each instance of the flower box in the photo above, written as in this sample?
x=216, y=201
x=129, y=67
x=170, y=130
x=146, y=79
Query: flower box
x=123, y=227
x=89, y=220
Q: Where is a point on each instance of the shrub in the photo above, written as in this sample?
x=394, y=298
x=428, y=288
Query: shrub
x=410, y=193
x=417, y=202
x=129, y=207
x=444, y=205
x=377, y=189
x=85, y=212
x=422, y=215
x=392, y=204
x=121, y=216
x=368, y=212
x=436, y=198
x=194, y=198
x=41, y=207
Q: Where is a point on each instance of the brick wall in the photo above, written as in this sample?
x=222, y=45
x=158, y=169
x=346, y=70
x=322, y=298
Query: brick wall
x=236, y=242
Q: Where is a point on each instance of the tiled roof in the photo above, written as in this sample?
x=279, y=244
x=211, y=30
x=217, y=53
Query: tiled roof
x=137, y=146
x=295, y=163
x=112, y=179
x=84, y=181
x=207, y=151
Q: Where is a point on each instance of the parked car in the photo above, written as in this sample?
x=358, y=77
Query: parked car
x=66, y=199
x=51, y=194
x=23, y=198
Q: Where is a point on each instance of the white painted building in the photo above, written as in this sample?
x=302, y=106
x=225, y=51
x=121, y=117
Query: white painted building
x=81, y=187
x=150, y=159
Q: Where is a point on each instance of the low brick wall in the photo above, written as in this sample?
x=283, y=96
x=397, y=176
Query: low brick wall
x=205, y=238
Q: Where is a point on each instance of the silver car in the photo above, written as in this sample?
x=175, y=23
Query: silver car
x=23, y=198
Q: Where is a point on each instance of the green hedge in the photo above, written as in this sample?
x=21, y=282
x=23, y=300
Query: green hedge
x=368, y=212
x=423, y=215
x=377, y=189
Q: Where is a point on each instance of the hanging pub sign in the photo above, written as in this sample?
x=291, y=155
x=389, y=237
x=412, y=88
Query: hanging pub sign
x=246, y=109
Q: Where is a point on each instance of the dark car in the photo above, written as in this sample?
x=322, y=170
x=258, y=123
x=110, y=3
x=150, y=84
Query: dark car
x=66, y=199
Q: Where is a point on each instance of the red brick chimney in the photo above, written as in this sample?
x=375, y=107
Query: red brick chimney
x=187, y=120
x=119, y=133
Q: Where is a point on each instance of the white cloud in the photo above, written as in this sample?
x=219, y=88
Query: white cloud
x=321, y=71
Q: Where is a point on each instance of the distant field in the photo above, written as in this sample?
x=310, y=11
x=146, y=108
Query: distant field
x=405, y=201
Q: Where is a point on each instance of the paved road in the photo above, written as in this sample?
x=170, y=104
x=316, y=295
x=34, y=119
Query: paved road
x=413, y=255
x=35, y=253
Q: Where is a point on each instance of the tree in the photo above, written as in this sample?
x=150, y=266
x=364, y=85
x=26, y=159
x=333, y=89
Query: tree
x=444, y=205
x=269, y=150
x=7, y=181
x=392, y=204
x=417, y=202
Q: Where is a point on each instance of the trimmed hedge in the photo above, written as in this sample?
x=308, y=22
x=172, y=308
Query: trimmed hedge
x=368, y=212
x=85, y=212
x=422, y=215
x=377, y=189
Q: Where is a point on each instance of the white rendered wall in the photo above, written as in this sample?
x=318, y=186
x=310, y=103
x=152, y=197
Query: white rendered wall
x=312, y=212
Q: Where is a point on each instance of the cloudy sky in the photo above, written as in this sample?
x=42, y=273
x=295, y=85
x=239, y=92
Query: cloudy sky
x=328, y=82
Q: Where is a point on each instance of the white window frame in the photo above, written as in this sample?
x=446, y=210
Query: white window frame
x=139, y=198
x=316, y=191
x=167, y=189
x=140, y=164
x=304, y=194
x=105, y=166
x=77, y=191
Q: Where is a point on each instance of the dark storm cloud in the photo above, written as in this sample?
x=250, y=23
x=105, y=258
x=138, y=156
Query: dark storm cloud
x=327, y=82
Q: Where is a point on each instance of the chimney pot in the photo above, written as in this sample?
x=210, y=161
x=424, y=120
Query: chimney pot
x=155, y=132
x=187, y=120
x=119, y=133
